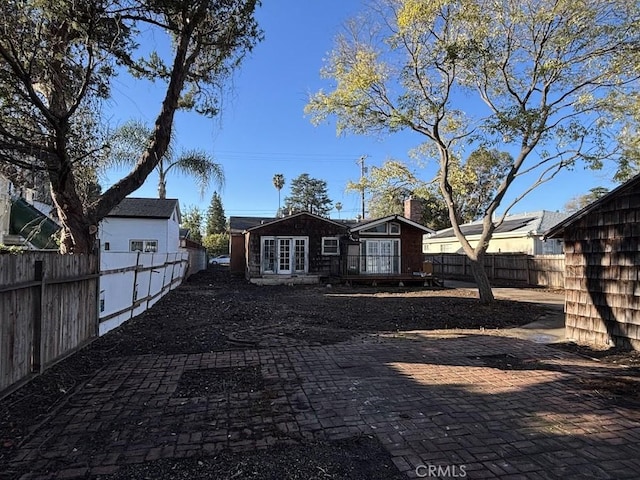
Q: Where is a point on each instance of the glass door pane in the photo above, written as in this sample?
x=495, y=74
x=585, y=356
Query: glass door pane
x=284, y=255
x=269, y=255
x=300, y=255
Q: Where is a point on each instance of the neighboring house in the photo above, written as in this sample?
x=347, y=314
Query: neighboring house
x=24, y=222
x=602, y=268
x=303, y=248
x=521, y=233
x=142, y=225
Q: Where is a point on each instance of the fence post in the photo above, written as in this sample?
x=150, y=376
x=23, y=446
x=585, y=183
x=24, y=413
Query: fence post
x=493, y=267
x=36, y=357
x=134, y=295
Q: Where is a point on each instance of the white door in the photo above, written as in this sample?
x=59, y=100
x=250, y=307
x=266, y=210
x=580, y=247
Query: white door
x=284, y=255
x=381, y=257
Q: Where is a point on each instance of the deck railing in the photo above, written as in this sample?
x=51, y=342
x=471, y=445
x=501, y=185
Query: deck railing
x=381, y=265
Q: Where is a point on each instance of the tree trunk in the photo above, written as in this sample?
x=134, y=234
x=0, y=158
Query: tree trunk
x=482, y=280
x=78, y=232
x=162, y=189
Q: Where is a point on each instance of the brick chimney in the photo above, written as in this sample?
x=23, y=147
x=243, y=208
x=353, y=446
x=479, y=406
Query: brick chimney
x=413, y=209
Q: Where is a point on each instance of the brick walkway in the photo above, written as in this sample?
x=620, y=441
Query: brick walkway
x=453, y=404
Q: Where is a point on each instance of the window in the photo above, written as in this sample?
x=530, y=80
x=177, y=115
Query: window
x=148, y=246
x=330, y=246
x=107, y=246
x=391, y=228
x=381, y=228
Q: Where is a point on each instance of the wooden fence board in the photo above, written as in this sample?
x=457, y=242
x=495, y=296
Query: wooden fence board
x=40, y=322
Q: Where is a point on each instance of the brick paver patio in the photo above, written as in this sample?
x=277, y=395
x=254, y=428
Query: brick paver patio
x=452, y=404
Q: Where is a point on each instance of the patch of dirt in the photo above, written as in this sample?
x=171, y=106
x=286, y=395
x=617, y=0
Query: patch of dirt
x=505, y=361
x=618, y=356
x=354, y=459
x=623, y=387
x=213, y=312
x=211, y=381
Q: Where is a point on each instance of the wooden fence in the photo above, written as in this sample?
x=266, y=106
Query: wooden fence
x=539, y=270
x=52, y=304
x=48, y=308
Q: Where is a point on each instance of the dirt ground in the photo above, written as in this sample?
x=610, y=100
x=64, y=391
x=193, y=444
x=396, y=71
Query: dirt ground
x=213, y=312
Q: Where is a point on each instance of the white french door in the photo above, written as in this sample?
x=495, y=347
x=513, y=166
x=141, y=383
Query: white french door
x=285, y=256
x=382, y=257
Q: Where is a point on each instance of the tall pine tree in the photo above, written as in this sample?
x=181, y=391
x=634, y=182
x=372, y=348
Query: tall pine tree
x=308, y=195
x=216, y=219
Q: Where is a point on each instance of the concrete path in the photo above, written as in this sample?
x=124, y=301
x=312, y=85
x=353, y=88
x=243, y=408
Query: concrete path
x=547, y=330
x=444, y=404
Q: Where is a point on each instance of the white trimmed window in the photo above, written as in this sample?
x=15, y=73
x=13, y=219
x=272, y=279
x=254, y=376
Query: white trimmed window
x=148, y=246
x=330, y=246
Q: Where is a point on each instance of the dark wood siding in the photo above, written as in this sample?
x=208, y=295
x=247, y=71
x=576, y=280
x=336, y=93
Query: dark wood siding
x=602, y=273
x=297, y=226
x=237, y=256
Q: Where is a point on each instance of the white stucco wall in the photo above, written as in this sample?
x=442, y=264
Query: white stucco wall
x=119, y=232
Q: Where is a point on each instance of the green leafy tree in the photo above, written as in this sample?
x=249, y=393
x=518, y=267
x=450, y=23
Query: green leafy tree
x=192, y=220
x=581, y=201
x=216, y=243
x=58, y=60
x=530, y=77
x=308, y=195
x=473, y=185
x=130, y=141
x=216, y=219
x=278, y=182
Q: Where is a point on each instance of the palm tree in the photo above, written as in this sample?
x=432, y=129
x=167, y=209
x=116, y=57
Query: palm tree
x=338, y=207
x=278, y=182
x=132, y=138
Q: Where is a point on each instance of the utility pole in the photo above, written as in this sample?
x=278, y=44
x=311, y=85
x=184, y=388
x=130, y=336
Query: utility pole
x=363, y=172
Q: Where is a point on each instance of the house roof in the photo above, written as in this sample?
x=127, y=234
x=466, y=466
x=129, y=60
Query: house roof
x=535, y=223
x=558, y=229
x=240, y=224
x=277, y=220
x=145, y=208
x=390, y=218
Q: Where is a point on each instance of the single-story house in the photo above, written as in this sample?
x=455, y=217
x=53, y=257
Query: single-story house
x=142, y=225
x=602, y=268
x=519, y=233
x=303, y=248
x=299, y=248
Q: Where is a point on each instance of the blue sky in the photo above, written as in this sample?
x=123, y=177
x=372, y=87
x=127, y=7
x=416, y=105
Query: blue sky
x=262, y=129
